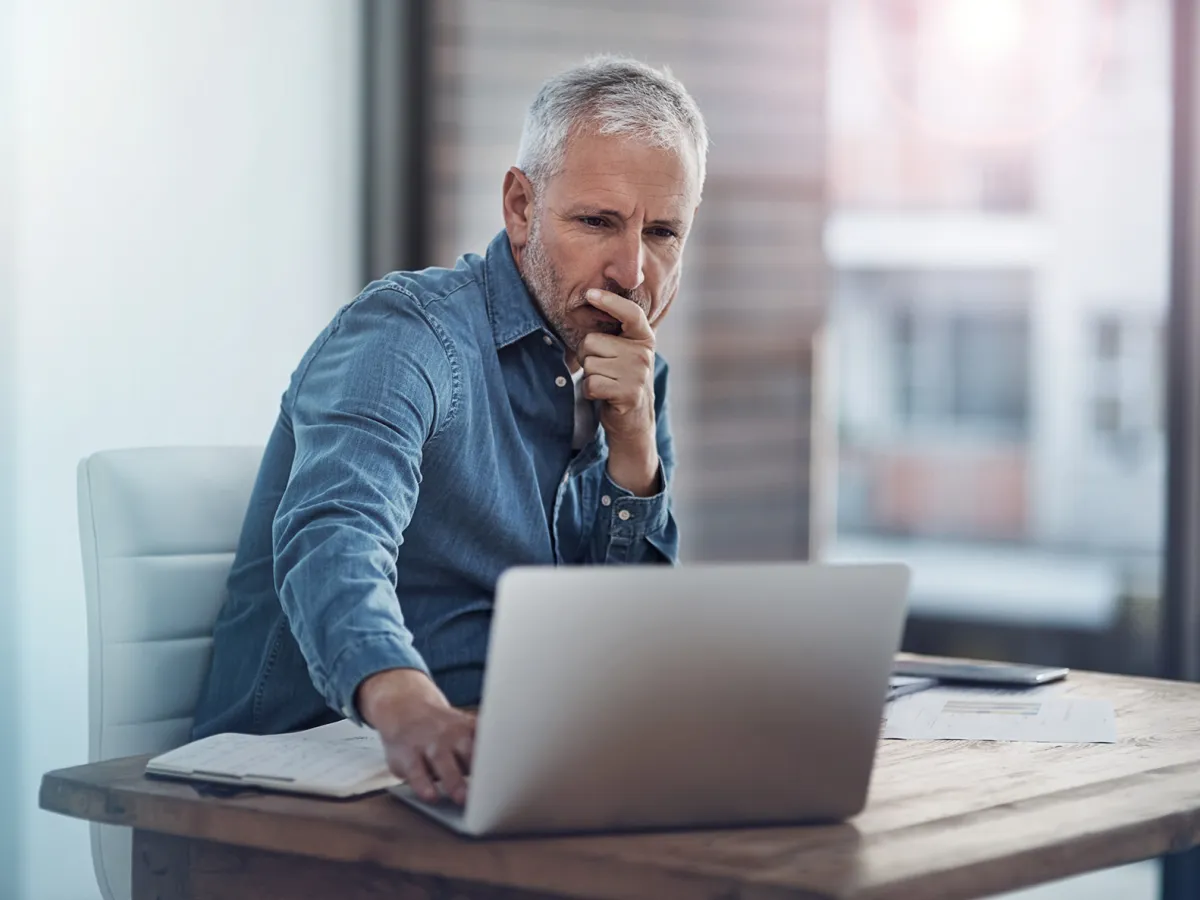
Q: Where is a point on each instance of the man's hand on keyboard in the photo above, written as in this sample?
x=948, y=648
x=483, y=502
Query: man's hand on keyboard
x=425, y=738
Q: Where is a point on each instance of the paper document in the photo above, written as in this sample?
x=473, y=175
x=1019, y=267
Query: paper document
x=902, y=685
x=337, y=760
x=1000, y=715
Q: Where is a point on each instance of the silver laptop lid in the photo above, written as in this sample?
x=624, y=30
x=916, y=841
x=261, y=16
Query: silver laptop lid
x=634, y=697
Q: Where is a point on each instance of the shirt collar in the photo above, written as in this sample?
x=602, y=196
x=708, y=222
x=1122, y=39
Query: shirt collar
x=512, y=312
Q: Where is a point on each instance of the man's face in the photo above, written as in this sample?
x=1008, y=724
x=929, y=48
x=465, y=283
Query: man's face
x=616, y=218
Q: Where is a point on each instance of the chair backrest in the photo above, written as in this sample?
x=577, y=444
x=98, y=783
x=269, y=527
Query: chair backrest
x=157, y=527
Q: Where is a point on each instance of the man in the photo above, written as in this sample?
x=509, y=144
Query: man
x=443, y=428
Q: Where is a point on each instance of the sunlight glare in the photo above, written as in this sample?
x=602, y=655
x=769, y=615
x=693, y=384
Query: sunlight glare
x=984, y=31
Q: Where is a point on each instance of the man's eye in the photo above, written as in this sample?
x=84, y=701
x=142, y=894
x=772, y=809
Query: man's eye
x=663, y=232
x=592, y=221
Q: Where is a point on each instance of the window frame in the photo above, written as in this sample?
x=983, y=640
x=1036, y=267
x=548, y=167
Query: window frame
x=1179, y=635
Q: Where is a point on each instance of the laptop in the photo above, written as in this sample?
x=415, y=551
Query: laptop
x=643, y=697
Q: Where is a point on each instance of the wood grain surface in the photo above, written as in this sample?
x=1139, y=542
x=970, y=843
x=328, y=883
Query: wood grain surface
x=945, y=819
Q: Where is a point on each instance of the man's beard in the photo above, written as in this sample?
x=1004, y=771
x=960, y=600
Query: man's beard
x=544, y=283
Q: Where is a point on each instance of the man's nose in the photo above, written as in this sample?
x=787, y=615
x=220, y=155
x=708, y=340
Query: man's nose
x=625, y=265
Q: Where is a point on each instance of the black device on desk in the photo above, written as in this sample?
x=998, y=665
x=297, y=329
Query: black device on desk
x=993, y=673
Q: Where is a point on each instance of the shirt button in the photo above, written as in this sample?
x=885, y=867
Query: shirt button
x=623, y=515
x=560, y=381
x=606, y=500
x=549, y=340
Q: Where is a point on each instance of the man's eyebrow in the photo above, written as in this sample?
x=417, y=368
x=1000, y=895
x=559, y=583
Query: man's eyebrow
x=594, y=211
x=676, y=224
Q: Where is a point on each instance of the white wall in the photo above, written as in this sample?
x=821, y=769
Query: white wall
x=9, y=763
x=186, y=221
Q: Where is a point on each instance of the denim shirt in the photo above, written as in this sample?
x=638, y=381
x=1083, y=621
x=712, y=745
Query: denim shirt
x=423, y=446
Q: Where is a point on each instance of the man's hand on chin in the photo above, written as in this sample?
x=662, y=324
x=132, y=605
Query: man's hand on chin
x=426, y=740
x=619, y=371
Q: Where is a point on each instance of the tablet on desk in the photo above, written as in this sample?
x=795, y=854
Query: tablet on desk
x=972, y=672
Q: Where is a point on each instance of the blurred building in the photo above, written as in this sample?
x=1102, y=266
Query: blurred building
x=999, y=230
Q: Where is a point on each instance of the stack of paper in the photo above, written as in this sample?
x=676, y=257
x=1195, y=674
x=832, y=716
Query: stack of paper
x=337, y=760
x=1042, y=715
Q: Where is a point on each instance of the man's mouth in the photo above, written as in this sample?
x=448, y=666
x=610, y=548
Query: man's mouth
x=604, y=322
x=597, y=315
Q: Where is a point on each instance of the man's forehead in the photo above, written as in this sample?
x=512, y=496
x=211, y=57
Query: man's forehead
x=624, y=171
x=625, y=201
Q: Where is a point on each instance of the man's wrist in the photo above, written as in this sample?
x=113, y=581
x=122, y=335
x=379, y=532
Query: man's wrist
x=634, y=468
x=382, y=695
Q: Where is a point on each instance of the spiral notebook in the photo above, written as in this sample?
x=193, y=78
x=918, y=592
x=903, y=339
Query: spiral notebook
x=337, y=760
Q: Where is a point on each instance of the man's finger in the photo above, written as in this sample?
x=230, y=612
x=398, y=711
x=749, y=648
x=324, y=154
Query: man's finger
x=597, y=343
x=449, y=773
x=602, y=365
x=601, y=387
x=464, y=751
x=631, y=316
x=412, y=768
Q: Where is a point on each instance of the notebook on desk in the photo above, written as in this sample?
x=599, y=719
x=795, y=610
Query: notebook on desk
x=337, y=760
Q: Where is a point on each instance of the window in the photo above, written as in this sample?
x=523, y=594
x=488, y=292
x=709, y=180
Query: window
x=949, y=351
x=1127, y=398
x=963, y=369
x=999, y=237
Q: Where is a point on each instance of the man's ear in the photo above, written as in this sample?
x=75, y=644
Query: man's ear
x=518, y=209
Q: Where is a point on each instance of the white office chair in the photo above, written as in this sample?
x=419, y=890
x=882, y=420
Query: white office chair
x=158, y=528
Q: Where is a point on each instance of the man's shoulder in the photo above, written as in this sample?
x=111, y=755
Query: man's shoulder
x=404, y=316
x=433, y=289
x=446, y=306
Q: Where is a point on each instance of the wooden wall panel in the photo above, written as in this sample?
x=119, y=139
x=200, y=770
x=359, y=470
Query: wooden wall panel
x=754, y=290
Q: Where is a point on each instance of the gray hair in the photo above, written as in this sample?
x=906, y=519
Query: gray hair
x=613, y=95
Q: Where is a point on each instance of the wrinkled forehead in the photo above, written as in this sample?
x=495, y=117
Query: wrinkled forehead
x=630, y=167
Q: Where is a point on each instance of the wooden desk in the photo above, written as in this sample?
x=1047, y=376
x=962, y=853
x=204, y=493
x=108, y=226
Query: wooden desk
x=945, y=820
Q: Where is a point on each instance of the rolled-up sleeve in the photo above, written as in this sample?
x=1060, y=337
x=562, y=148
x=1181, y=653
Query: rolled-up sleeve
x=382, y=385
x=632, y=529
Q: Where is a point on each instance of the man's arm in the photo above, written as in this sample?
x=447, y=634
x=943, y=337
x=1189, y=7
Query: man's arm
x=634, y=522
x=649, y=533
x=361, y=413
x=380, y=388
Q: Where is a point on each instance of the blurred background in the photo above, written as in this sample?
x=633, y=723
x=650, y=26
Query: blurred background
x=923, y=314
x=998, y=232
